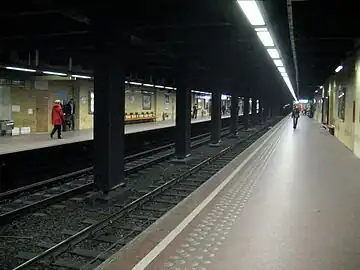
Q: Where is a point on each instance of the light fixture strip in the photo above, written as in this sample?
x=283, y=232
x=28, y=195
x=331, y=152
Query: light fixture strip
x=54, y=73
x=252, y=12
x=21, y=69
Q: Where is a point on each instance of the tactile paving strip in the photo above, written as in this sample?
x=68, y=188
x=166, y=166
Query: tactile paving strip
x=201, y=245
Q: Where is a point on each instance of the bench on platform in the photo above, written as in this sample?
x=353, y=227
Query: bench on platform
x=144, y=117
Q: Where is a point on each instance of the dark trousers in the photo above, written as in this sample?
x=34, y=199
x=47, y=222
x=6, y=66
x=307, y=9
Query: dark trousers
x=71, y=119
x=58, y=129
x=295, y=121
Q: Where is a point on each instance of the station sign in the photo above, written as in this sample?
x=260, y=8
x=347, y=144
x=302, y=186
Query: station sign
x=8, y=82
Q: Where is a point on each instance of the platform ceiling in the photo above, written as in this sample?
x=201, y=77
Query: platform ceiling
x=325, y=31
x=214, y=34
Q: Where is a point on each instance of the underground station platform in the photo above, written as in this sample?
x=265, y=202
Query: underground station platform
x=289, y=201
x=37, y=141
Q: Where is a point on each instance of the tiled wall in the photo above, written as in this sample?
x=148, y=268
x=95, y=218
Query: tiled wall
x=24, y=99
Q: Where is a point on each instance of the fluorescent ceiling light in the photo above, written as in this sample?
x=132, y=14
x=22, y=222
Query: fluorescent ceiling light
x=135, y=83
x=284, y=74
x=148, y=85
x=126, y=82
x=81, y=76
x=274, y=54
x=54, y=73
x=252, y=12
x=266, y=38
x=168, y=87
x=282, y=69
x=338, y=68
x=278, y=63
x=261, y=29
x=159, y=86
x=21, y=69
x=316, y=91
x=321, y=87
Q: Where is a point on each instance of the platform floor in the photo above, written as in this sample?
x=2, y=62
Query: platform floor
x=290, y=201
x=35, y=141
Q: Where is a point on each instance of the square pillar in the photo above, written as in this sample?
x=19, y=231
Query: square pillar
x=234, y=112
x=260, y=114
x=183, y=117
x=246, y=112
x=253, y=111
x=109, y=108
x=215, y=116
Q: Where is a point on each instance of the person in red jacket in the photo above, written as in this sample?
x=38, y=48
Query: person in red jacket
x=57, y=117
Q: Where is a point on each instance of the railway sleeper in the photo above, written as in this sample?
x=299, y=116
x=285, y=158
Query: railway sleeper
x=156, y=209
x=184, y=189
x=151, y=219
x=88, y=253
x=67, y=263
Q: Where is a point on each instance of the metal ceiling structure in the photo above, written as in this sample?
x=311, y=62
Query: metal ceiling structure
x=215, y=35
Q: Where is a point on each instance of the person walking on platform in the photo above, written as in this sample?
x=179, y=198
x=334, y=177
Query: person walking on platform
x=57, y=117
x=195, y=110
x=69, y=111
x=295, y=116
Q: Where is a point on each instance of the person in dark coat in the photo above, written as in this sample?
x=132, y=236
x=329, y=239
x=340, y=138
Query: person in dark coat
x=295, y=116
x=69, y=110
x=57, y=117
x=195, y=111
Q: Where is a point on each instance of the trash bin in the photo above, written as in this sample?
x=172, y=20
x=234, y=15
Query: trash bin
x=6, y=126
x=332, y=130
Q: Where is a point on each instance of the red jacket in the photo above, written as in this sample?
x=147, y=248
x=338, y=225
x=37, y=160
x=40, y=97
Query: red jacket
x=57, y=115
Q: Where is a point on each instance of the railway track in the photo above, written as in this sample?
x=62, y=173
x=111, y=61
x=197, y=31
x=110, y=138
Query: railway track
x=108, y=232
x=30, y=198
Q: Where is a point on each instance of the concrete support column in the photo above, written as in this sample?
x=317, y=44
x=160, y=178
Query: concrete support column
x=234, y=112
x=183, y=115
x=109, y=107
x=246, y=112
x=215, y=116
x=260, y=114
x=253, y=111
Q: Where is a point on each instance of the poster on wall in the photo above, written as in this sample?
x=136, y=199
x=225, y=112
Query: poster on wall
x=167, y=99
x=131, y=98
x=146, y=102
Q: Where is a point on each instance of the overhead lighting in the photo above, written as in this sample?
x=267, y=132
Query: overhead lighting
x=261, y=29
x=316, y=91
x=252, y=12
x=281, y=69
x=288, y=83
x=148, y=85
x=274, y=54
x=21, y=69
x=159, y=86
x=135, y=83
x=303, y=101
x=338, y=69
x=168, y=87
x=54, y=73
x=278, y=63
x=81, y=76
x=322, y=87
x=284, y=74
x=265, y=38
